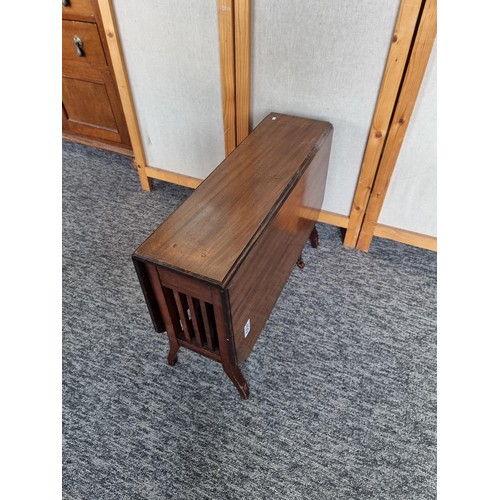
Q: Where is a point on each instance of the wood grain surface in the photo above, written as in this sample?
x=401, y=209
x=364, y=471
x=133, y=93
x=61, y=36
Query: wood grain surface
x=211, y=232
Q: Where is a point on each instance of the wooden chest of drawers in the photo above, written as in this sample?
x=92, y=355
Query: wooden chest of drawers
x=92, y=112
x=213, y=270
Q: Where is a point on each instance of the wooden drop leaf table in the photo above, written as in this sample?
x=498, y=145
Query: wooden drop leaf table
x=213, y=270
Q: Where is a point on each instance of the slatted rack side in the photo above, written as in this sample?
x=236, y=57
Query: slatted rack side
x=193, y=319
x=187, y=309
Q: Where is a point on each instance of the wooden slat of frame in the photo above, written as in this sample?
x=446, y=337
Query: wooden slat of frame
x=407, y=237
x=242, y=47
x=227, y=68
x=333, y=219
x=414, y=75
x=173, y=177
x=120, y=72
x=398, y=54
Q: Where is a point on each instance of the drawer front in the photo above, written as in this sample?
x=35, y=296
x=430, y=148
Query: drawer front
x=91, y=51
x=88, y=110
x=78, y=9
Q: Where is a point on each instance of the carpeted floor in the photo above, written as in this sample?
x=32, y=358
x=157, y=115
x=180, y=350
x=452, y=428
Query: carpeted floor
x=342, y=380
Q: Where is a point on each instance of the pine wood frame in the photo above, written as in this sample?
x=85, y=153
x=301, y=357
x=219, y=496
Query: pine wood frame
x=407, y=237
x=395, y=104
x=118, y=62
x=417, y=64
x=235, y=36
x=400, y=48
x=234, y=44
x=234, y=18
x=242, y=54
x=225, y=10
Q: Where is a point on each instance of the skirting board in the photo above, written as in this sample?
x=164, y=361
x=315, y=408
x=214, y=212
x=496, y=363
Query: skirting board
x=388, y=232
x=98, y=144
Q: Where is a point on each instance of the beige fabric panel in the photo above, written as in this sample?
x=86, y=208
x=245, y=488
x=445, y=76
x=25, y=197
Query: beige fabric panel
x=171, y=49
x=411, y=200
x=323, y=59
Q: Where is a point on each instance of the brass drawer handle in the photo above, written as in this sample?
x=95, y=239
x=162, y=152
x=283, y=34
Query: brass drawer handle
x=65, y=3
x=78, y=45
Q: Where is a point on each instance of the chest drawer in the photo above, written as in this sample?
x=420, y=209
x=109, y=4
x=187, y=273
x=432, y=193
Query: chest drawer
x=81, y=43
x=78, y=9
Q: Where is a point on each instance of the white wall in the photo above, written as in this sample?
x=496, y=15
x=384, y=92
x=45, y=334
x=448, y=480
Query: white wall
x=171, y=49
x=411, y=200
x=323, y=59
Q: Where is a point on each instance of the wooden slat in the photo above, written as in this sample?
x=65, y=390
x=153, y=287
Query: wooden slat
x=407, y=237
x=120, y=72
x=391, y=82
x=333, y=219
x=206, y=323
x=194, y=321
x=185, y=285
x=201, y=350
x=242, y=42
x=183, y=315
x=414, y=75
x=226, y=47
x=173, y=177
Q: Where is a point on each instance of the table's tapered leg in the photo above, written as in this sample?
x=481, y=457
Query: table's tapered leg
x=236, y=377
x=313, y=237
x=172, y=354
x=300, y=263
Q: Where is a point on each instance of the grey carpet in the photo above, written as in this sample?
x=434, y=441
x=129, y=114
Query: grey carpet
x=342, y=379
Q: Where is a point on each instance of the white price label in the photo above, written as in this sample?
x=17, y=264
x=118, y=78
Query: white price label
x=246, y=330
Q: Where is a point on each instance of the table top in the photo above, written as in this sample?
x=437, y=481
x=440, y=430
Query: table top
x=209, y=234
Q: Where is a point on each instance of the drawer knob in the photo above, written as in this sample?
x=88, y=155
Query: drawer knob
x=65, y=3
x=78, y=45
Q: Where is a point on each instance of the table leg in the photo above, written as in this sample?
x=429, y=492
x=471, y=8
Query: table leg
x=314, y=238
x=237, y=378
x=300, y=263
x=172, y=353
